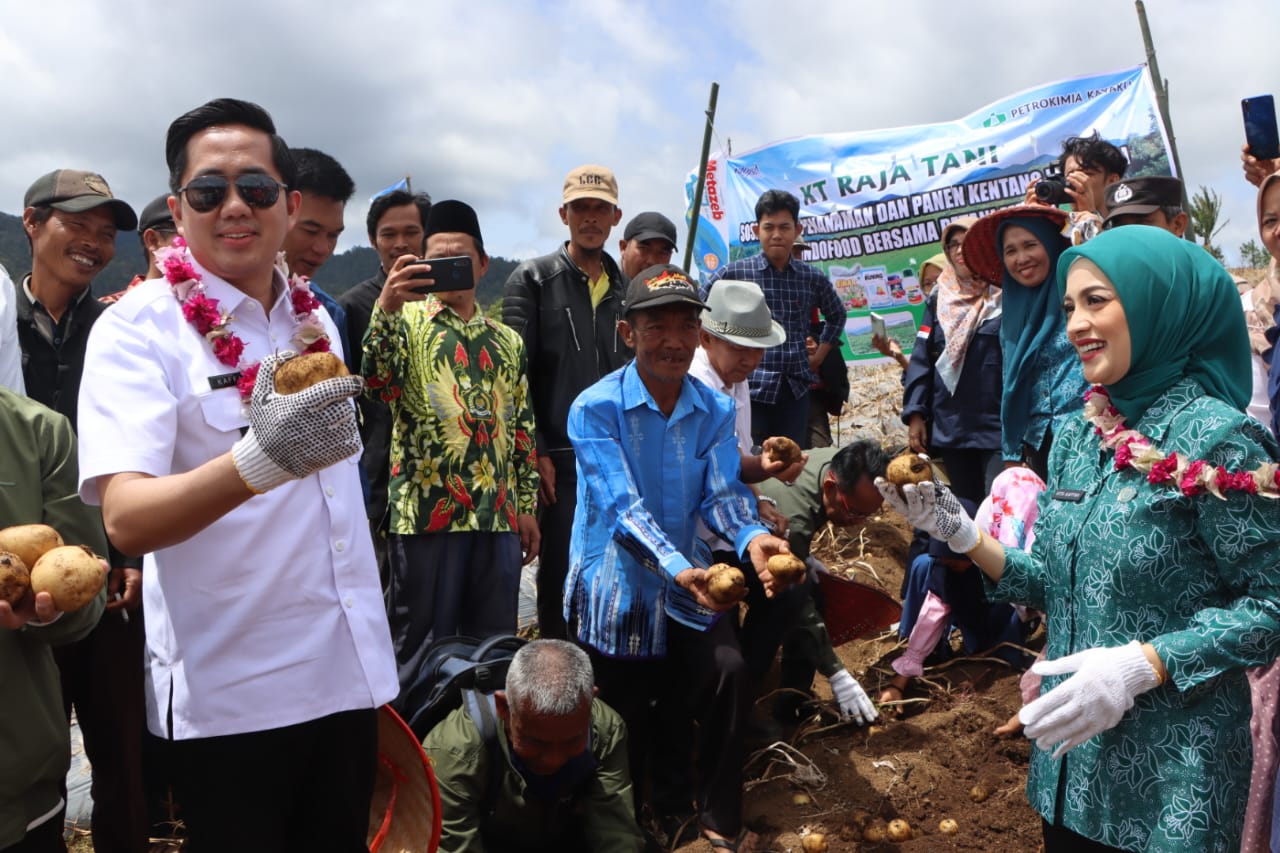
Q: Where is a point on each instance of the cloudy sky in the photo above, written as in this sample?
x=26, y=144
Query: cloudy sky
x=493, y=102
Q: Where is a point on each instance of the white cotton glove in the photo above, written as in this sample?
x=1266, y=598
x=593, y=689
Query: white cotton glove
x=932, y=507
x=292, y=436
x=1104, y=686
x=852, y=699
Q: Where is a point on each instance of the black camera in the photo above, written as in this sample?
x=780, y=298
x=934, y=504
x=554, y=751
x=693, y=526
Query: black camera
x=1053, y=190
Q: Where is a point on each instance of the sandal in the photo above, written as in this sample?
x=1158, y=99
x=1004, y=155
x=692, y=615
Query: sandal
x=726, y=844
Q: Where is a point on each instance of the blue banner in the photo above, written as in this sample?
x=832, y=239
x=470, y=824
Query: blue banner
x=873, y=203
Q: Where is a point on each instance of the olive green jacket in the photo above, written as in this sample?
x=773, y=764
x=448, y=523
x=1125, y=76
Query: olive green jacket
x=38, y=480
x=601, y=815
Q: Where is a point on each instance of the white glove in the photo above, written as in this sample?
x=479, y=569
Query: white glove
x=852, y=699
x=1104, y=686
x=932, y=507
x=292, y=436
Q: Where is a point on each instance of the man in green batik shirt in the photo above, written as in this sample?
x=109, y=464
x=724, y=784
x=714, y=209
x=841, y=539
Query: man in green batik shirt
x=463, y=466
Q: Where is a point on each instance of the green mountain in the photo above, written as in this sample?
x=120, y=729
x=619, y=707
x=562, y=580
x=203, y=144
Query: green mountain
x=342, y=272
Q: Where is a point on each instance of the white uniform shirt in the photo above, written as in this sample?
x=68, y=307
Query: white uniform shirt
x=702, y=370
x=273, y=615
x=10, y=350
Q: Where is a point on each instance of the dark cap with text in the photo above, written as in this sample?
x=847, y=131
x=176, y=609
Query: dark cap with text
x=1140, y=196
x=663, y=284
x=75, y=191
x=591, y=182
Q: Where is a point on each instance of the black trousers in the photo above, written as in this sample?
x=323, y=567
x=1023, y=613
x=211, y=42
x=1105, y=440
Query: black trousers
x=555, y=521
x=702, y=680
x=102, y=676
x=788, y=415
x=299, y=788
x=972, y=471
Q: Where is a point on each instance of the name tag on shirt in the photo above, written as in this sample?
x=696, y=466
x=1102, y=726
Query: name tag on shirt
x=1070, y=495
x=225, y=380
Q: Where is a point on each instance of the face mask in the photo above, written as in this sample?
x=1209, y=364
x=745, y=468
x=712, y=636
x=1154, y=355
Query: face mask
x=551, y=787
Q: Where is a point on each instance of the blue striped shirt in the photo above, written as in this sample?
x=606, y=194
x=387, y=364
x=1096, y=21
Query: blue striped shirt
x=791, y=294
x=644, y=481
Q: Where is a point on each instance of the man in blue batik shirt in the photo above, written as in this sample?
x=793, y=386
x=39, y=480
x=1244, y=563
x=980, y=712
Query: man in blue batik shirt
x=780, y=385
x=657, y=452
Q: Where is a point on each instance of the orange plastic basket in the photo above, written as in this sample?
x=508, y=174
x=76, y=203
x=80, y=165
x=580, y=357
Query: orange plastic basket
x=404, y=815
x=854, y=610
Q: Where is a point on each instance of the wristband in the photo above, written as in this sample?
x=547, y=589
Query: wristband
x=765, y=499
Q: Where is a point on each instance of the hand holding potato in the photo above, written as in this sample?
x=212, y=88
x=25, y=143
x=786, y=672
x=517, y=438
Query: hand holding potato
x=696, y=581
x=782, y=459
x=760, y=550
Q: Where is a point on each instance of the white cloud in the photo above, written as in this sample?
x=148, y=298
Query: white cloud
x=494, y=102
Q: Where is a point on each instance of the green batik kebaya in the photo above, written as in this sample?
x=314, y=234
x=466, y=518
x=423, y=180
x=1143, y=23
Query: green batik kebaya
x=462, y=454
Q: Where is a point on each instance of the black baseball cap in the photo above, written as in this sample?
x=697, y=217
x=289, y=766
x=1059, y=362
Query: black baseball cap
x=662, y=284
x=650, y=225
x=157, y=215
x=1140, y=196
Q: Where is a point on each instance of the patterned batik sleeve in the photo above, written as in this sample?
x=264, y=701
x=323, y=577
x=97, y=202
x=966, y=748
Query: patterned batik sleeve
x=1242, y=536
x=525, y=463
x=594, y=431
x=386, y=355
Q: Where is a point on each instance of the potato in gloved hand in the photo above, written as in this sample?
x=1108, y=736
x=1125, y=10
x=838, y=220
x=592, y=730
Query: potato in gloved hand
x=303, y=371
x=908, y=468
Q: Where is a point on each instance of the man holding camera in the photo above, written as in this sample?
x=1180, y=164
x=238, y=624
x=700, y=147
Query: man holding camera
x=1085, y=168
x=463, y=468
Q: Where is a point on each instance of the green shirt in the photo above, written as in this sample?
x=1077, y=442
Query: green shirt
x=462, y=453
x=802, y=504
x=38, y=481
x=1119, y=559
x=602, y=814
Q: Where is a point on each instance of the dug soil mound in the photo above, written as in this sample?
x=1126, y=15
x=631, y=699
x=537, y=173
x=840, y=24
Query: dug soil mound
x=838, y=779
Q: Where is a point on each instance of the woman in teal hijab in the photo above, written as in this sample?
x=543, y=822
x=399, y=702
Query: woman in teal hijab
x=1153, y=560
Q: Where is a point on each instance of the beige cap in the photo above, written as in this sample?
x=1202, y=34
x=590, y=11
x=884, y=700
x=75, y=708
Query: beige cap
x=591, y=182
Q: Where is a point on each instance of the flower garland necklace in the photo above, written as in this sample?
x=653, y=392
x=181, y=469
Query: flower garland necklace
x=213, y=324
x=1191, y=477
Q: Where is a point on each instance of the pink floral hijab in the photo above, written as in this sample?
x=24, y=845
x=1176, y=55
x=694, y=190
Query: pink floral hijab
x=1261, y=316
x=965, y=302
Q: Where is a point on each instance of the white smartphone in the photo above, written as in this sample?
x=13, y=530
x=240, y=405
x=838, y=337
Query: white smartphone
x=877, y=326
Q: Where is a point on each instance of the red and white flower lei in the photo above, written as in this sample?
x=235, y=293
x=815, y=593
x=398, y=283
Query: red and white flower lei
x=213, y=323
x=1191, y=477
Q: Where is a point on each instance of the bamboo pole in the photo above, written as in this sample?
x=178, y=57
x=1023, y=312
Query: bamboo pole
x=1162, y=103
x=702, y=176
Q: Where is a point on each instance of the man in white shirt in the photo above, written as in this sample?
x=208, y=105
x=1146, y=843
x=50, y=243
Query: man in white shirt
x=267, y=644
x=10, y=351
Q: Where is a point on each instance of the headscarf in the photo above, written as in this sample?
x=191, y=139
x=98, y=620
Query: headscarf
x=964, y=302
x=1183, y=312
x=1261, y=316
x=1009, y=513
x=1032, y=317
x=938, y=261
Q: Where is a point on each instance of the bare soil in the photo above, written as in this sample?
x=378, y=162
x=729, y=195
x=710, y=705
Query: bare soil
x=919, y=768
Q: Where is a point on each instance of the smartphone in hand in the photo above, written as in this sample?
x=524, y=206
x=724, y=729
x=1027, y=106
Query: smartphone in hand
x=877, y=326
x=1260, y=127
x=453, y=273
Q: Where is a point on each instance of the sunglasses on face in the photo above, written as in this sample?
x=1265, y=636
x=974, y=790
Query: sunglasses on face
x=208, y=191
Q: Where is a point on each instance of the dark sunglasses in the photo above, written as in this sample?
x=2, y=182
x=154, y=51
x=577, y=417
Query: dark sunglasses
x=208, y=191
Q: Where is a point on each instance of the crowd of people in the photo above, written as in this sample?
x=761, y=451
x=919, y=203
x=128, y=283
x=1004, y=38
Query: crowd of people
x=1097, y=396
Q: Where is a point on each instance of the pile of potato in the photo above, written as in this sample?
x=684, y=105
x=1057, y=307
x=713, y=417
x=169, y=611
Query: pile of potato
x=34, y=559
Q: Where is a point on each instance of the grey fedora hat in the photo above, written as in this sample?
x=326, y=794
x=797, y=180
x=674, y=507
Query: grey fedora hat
x=738, y=313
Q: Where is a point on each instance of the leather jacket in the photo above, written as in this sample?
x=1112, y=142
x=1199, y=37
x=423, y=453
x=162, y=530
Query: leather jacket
x=571, y=346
